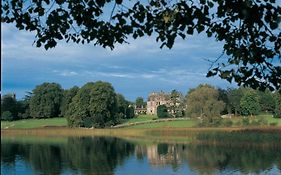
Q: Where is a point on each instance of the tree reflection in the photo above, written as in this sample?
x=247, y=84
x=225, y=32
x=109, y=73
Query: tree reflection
x=99, y=155
x=85, y=155
x=207, y=159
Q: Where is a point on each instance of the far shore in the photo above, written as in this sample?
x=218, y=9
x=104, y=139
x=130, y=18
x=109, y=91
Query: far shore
x=66, y=131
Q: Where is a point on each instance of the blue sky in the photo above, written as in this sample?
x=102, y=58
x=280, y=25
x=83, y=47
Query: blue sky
x=134, y=69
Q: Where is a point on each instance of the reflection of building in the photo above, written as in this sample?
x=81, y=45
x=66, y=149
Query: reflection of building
x=156, y=158
x=155, y=99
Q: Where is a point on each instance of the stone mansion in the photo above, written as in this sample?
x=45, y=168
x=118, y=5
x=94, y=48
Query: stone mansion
x=155, y=99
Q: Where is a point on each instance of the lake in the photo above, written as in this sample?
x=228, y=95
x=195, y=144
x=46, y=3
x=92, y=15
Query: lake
x=109, y=155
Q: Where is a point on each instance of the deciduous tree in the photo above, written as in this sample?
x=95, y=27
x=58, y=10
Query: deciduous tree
x=67, y=99
x=162, y=111
x=204, y=102
x=249, y=30
x=45, y=100
x=9, y=103
x=95, y=105
x=250, y=103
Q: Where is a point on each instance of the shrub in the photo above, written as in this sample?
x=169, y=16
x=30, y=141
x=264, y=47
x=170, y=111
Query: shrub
x=7, y=115
x=162, y=111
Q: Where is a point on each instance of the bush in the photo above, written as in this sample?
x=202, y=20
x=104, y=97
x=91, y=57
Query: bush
x=162, y=111
x=277, y=115
x=88, y=122
x=7, y=115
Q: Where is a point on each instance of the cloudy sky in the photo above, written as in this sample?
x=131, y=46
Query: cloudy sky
x=134, y=69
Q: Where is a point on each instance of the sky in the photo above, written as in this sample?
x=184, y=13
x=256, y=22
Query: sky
x=134, y=69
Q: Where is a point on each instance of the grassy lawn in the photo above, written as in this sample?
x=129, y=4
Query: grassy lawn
x=37, y=123
x=33, y=123
x=140, y=118
x=270, y=119
x=168, y=124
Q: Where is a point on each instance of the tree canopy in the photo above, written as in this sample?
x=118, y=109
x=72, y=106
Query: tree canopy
x=250, y=103
x=95, y=104
x=45, y=100
x=204, y=102
x=162, y=111
x=249, y=30
x=140, y=103
x=9, y=104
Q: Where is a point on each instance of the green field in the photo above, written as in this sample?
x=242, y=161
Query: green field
x=141, y=118
x=39, y=123
x=33, y=123
x=168, y=124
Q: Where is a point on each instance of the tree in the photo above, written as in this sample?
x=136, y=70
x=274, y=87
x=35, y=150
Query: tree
x=123, y=107
x=234, y=96
x=45, y=101
x=249, y=30
x=95, y=104
x=140, y=102
x=176, y=104
x=162, y=111
x=203, y=102
x=223, y=97
x=23, y=109
x=267, y=101
x=7, y=116
x=249, y=103
x=9, y=103
x=277, y=111
x=67, y=99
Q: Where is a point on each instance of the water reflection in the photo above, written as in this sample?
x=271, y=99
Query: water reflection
x=99, y=155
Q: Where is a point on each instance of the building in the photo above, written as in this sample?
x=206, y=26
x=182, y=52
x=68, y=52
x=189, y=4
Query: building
x=155, y=99
x=141, y=110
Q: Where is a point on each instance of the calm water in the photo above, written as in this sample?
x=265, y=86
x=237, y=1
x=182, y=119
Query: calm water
x=106, y=156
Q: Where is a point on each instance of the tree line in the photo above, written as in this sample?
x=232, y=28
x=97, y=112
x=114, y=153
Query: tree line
x=96, y=104
x=206, y=101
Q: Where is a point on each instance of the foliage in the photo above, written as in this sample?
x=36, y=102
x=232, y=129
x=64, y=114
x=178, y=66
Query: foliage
x=130, y=112
x=203, y=102
x=23, y=109
x=7, y=115
x=267, y=101
x=124, y=108
x=249, y=103
x=248, y=29
x=176, y=104
x=67, y=99
x=9, y=103
x=96, y=103
x=162, y=111
x=234, y=96
x=223, y=97
x=140, y=103
x=45, y=101
x=277, y=111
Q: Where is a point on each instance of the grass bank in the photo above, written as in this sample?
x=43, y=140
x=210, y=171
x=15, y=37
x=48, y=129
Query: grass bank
x=33, y=123
x=139, y=122
x=165, y=135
